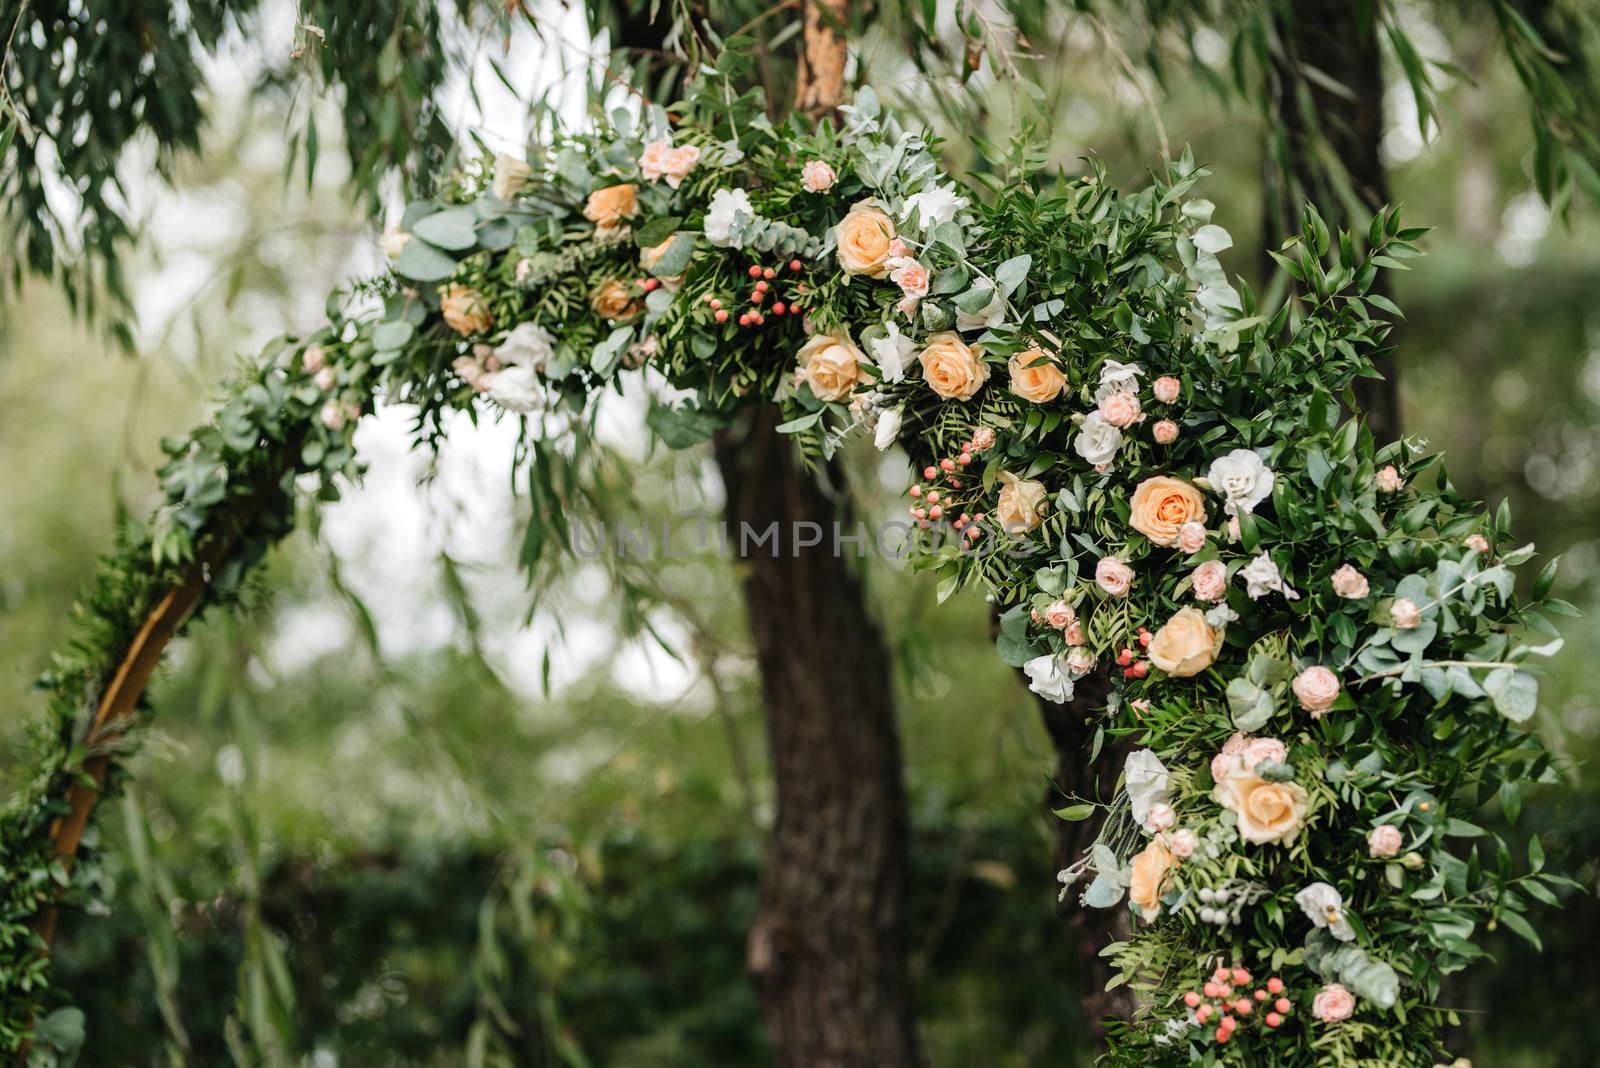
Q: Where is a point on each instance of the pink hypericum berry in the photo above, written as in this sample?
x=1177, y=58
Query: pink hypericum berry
x=1125, y=658
x=1191, y=999
x=933, y=496
x=1220, y=975
x=779, y=308
x=762, y=287
x=769, y=273
x=915, y=491
x=744, y=319
x=920, y=513
x=1145, y=638
x=923, y=524
x=715, y=303
x=1140, y=670
x=649, y=284
x=721, y=316
x=794, y=265
x=1203, y=1013
x=1261, y=995
x=947, y=464
x=978, y=518
x=955, y=483
x=1273, y=1019
x=795, y=309
x=935, y=512
x=1275, y=985
x=1243, y=1007
x=755, y=272
x=964, y=459
x=1282, y=1005
x=757, y=297
x=930, y=472
x=1224, y=1033
x=1240, y=976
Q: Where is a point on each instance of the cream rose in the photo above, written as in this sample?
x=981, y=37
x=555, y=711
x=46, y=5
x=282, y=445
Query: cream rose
x=1385, y=841
x=1316, y=688
x=464, y=310
x=1350, y=583
x=952, y=368
x=1183, y=842
x=614, y=300
x=1162, y=505
x=1192, y=537
x=832, y=364
x=1166, y=389
x=1186, y=645
x=1211, y=581
x=1019, y=505
x=1404, y=614
x=1165, y=432
x=1267, y=811
x=864, y=235
x=1034, y=377
x=607, y=207
x=1149, y=874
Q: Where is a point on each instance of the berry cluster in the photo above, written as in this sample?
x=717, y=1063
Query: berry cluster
x=759, y=294
x=942, y=478
x=1128, y=659
x=1224, y=997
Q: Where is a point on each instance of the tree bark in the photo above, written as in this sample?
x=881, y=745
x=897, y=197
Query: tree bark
x=827, y=951
x=1318, y=132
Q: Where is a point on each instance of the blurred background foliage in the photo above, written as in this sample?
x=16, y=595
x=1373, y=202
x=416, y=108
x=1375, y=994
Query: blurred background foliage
x=406, y=811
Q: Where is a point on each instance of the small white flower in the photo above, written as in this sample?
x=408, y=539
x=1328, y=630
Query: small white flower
x=1145, y=779
x=892, y=352
x=934, y=205
x=1097, y=441
x=1242, y=479
x=728, y=209
x=888, y=428
x=527, y=345
x=1048, y=679
x=991, y=316
x=510, y=175
x=1117, y=377
x=1221, y=616
x=516, y=389
x=1324, y=907
x=1261, y=577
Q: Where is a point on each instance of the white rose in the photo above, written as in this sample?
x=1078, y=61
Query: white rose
x=1242, y=479
x=1097, y=441
x=892, y=352
x=1117, y=377
x=888, y=429
x=527, y=345
x=510, y=175
x=1324, y=907
x=1145, y=779
x=728, y=208
x=516, y=389
x=992, y=315
x=1047, y=679
x=1261, y=577
x=934, y=205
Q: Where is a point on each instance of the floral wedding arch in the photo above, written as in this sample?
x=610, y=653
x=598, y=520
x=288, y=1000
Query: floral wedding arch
x=1315, y=641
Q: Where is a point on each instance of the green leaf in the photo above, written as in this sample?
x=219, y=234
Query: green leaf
x=1517, y=923
x=1515, y=693
x=453, y=229
x=1011, y=274
x=424, y=263
x=680, y=428
x=1076, y=813
x=391, y=335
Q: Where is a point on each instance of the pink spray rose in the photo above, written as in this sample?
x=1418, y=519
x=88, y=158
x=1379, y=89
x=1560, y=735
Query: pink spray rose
x=1165, y=432
x=1405, y=614
x=1182, y=843
x=1384, y=841
x=1211, y=581
x=1113, y=576
x=817, y=176
x=1166, y=389
x=1333, y=1003
x=1317, y=688
x=1120, y=409
x=1060, y=615
x=1389, y=480
x=1350, y=583
x=1192, y=537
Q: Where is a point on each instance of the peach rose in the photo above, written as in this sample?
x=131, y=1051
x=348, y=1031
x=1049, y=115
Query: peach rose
x=661, y=160
x=1211, y=581
x=1385, y=841
x=864, y=235
x=952, y=368
x=982, y=439
x=1166, y=389
x=614, y=300
x=1120, y=409
x=1267, y=811
x=832, y=364
x=1404, y=614
x=1333, y=1003
x=1080, y=662
x=910, y=276
x=607, y=207
x=817, y=176
x=1035, y=378
x=1113, y=576
x=1150, y=870
x=1192, y=537
x=1316, y=688
x=1019, y=504
x=1060, y=615
x=1186, y=645
x=1161, y=505
x=1350, y=583
x=1165, y=432
x=464, y=309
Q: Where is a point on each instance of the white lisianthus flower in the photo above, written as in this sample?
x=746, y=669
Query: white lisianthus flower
x=1117, y=377
x=527, y=345
x=1261, y=577
x=888, y=428
x=935, y=205
x=729, y=208
x=1097, y=441
x=510, y=175
x=1324, y=907
x=1241, y=479
x=1048, y=678
x=516, y=389
x=991, y=316
x=1145, y=779
x=1221, y=616
x=892, y=352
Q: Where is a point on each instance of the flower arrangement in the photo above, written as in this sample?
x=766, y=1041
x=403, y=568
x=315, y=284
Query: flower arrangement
x=1316, y=640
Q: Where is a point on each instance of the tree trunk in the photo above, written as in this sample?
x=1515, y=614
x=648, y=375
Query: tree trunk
x=1325, y=145
x=828, y=947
